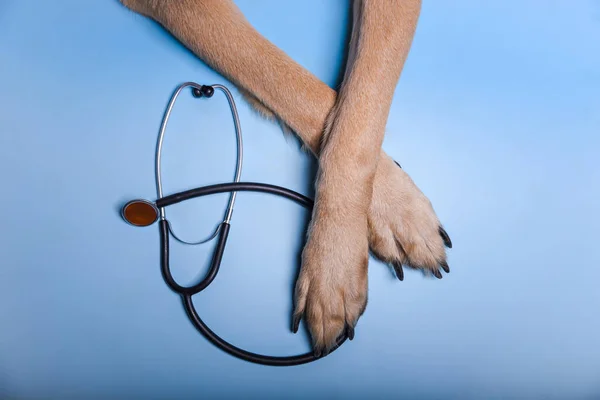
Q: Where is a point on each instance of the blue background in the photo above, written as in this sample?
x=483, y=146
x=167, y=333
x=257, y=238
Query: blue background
x=496, y=118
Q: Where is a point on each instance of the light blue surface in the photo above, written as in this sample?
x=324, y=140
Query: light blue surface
x=496, y=118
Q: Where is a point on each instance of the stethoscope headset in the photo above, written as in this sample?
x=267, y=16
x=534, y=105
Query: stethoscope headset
x=145, y=213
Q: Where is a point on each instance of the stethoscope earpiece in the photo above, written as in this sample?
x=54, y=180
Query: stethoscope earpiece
x=204, y=90
x=145, y=213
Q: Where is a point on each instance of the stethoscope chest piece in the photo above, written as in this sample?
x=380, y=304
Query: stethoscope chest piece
x=143, y=213
x=140, y=213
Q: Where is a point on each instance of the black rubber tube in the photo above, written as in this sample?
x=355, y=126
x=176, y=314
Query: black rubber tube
x=285, y=361
x=187, y=292
x=214, y=265
x=234, y=187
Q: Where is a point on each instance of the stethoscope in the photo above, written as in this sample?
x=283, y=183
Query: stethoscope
x=145, y=213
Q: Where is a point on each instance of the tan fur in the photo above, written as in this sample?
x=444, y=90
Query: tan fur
x=364, y=200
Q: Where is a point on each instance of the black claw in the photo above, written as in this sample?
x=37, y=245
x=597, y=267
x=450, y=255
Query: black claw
x=445, y=237
x=350, y=332
x=317, y=353
x=397, y=163
x=445, y=266
x=399, y=271
x=296, y=323
x=437, y=273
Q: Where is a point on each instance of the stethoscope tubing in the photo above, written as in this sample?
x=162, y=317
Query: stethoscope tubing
x=237, y=187
x=187, y=292
x=272, y=361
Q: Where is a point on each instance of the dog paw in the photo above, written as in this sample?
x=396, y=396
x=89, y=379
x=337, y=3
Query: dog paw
x=403, y=227
x=331, y=290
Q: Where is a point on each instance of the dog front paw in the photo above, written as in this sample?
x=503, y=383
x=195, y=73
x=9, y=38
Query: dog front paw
x=403, y=227
x=331, y=290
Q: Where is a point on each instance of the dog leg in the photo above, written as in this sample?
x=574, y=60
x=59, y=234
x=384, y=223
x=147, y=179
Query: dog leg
x=331, y=291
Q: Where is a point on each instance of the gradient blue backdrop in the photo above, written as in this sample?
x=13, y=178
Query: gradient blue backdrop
x=496, y=118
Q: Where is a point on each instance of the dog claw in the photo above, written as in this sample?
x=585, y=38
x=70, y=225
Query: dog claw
x=350, y=332
x=437, y=273
x=399, y=271
x=445, y=237
x=445, y=267
x=296, y=323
